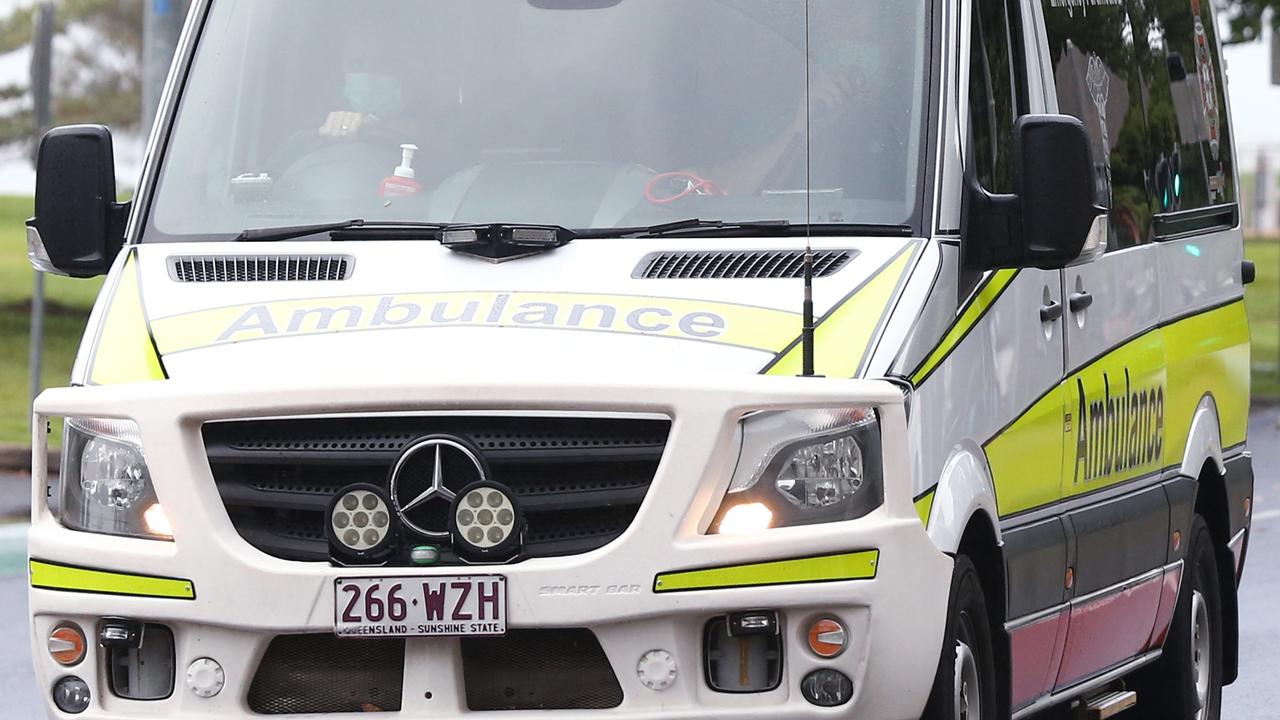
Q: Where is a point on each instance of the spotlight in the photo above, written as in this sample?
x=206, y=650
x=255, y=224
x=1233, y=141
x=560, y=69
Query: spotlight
x=360, y=526
x=485, y=522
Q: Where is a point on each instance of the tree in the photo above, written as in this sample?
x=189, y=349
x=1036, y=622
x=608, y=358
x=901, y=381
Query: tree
x=1246, y=18
x=97, y=66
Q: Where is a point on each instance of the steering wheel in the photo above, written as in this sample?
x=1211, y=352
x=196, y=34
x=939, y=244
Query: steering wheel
x=687, y=183
x=295, y=163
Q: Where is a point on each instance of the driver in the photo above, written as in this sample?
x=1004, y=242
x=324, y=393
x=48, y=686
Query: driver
x=782, y=159
x=372, y=85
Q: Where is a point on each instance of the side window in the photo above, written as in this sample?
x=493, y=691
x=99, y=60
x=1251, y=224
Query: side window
x=1190, y=158
x=1095, y=67
x=991, y=97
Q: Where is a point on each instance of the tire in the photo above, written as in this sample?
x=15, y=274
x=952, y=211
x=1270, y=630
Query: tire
x=968, y=659
x=1186, y=682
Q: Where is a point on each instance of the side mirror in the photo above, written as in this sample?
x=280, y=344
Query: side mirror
x=78, y=228
x=1052, y=222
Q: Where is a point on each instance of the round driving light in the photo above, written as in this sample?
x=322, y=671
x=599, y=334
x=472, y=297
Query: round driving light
x=67, y=645
x=827, y=638
x=486, y=522
x=826, y=688
x=205, y=677
x=71, y=695
x=360, y=526
x=657, y=670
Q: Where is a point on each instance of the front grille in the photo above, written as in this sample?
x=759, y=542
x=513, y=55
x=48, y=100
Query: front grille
x=538, y=670
x=579, y=481
x=259, y=268
x=739, y=264
x=326, y=674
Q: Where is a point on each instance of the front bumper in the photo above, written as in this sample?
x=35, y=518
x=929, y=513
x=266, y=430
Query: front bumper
x=244, y=598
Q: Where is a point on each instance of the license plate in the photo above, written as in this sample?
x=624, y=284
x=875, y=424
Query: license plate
x=473, y=605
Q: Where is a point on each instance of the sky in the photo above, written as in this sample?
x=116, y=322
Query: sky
x=1255, y=102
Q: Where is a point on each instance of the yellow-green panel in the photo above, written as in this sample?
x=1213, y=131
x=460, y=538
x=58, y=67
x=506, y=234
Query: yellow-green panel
x=969, y=317
x=721, y=323
x=842, y=339
x=1115, y=417
x=1207, y=353
x=1128, y=413
x=846, y=566
x=125, y=353
x=924, y=506
x=1026, y=459
x=51, y=576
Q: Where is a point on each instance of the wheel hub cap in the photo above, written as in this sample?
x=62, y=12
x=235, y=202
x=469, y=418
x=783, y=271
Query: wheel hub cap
x=968, y=703
x=1201, y=652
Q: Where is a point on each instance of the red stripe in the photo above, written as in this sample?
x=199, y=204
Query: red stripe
x=1037, y=649
x=1108, y=630
x=1168, y=603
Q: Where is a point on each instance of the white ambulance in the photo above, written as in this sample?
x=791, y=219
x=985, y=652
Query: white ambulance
x=654, y=359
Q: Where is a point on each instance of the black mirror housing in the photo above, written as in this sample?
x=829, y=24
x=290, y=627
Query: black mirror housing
x=1047, y=224
x=77, y=221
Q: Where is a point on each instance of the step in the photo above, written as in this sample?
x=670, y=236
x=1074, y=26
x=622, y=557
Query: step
x=1110, y=704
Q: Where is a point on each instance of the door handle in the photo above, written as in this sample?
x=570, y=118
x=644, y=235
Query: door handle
x=1081, y=301
x=1050, y=312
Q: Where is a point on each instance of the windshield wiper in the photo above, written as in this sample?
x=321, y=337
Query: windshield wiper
x=277, y=234
x=695, y=227
x=345, y=229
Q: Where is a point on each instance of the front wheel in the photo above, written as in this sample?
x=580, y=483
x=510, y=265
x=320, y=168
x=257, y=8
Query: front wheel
x=1186, y=682
x=964, y=687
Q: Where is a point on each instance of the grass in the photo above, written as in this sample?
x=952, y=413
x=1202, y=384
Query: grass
x=1262, y=299
x=70, y=301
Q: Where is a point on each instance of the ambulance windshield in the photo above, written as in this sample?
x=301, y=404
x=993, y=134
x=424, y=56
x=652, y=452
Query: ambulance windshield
x=578, y=113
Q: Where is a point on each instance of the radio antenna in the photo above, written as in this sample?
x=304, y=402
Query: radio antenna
x=807, y=331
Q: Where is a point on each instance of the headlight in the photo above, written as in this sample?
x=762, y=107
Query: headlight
x=105, y=484
x=800, y=467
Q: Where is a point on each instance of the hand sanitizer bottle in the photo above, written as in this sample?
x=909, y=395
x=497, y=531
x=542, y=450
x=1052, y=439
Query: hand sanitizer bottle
x=401, y=182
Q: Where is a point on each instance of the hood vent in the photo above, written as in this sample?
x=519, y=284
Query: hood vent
x=260, y=268
x=740, y=264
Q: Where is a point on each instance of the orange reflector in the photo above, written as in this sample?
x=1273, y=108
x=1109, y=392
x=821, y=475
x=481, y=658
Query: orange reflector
x=827, y=638
x=67, y=645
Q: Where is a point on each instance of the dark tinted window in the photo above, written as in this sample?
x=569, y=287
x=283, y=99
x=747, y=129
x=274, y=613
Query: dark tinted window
x=991, y=97
x=1190, y=159
x=1096, y=70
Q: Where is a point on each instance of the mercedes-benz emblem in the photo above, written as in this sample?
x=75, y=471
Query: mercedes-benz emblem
x=427, y=477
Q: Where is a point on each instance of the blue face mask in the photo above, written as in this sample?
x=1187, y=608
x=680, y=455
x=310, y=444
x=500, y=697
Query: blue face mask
x=373, y=93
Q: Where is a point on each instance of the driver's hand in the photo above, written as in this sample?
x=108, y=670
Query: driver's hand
x=344, y=123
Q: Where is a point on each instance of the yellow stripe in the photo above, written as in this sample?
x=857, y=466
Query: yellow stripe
x=846, y=566
x=1026, y=459
x=1042, y=457
x=125, y=353
x=62, y=577
x=844, y=336
x=972, y=313
x=1208, y=353
x=745, y=326
x=924, y=506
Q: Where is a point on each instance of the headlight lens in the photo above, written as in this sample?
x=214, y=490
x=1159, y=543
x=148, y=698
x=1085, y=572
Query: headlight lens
x=105, y=483
x=804, y=467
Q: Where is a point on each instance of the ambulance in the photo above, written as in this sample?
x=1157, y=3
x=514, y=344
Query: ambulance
x=653, y=359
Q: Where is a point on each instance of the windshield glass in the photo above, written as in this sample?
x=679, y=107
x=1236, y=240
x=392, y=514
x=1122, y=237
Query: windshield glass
x=578, y=113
